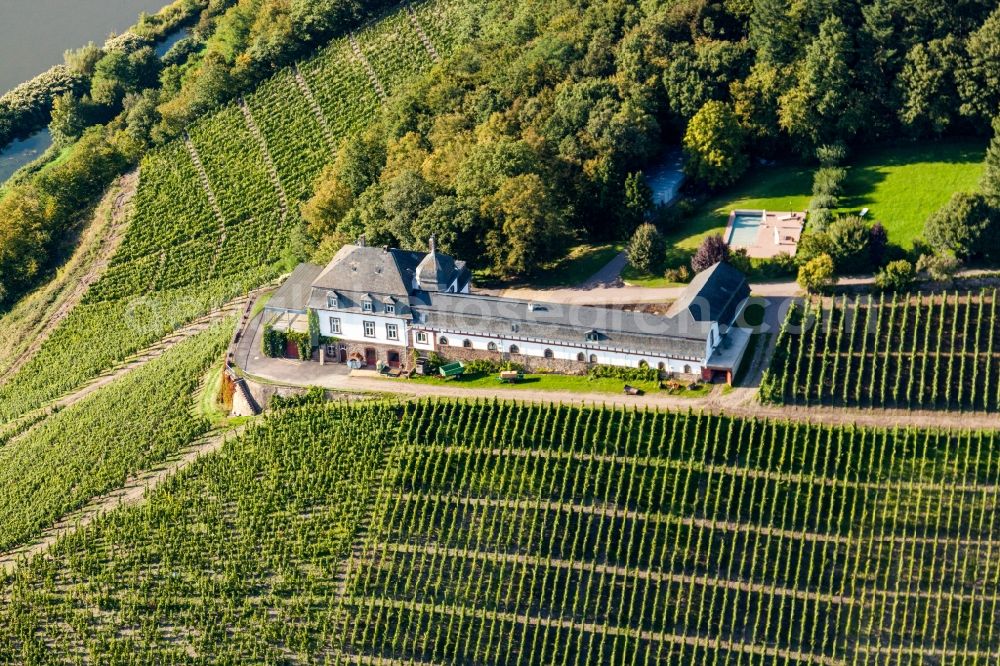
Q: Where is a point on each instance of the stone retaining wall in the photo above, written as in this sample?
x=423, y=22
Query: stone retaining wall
x=530, y=363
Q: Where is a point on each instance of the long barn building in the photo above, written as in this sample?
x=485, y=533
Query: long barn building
x=380, y=305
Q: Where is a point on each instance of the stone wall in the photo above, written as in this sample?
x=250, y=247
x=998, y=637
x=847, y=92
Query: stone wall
x=530, y=363
x=262, y=393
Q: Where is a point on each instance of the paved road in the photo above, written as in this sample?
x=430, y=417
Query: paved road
x=740, y=402
x=609, y=275
x=604, y=290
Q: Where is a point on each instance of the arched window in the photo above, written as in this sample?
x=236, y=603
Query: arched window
x=687, y=369
x=514, y=349
x=593, y=358
x=443, y=341
x=467, y=343
x=643, y=364
x=492, y=346
x=661, y=366
x=581, y=357
x=548, y=354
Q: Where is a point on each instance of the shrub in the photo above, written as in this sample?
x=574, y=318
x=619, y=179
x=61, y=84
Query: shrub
x=820, y=218
x=896, y=276
x=486, y=366
x=740, y=260
x=817, y=274
x=712, y=250
x=315, y=395
x=482, y=366
x=645, y=374
x=813, y=243
x=823, y=201
x=849, y=238
x=829, y=181
x=878, y=243
x=831, y=155
x=680, y=274
x=966, y=226
x=647, y=248
x=781, y=265
x=273, y=342
x=989, y=184
x=941, y=266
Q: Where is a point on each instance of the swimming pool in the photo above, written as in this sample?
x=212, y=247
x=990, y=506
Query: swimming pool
x=745, y=227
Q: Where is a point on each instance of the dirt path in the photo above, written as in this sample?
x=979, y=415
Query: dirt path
x=596, y=568
x=738, y=403
x=630, y=633
x=133, y=492
x=604, y=289
x=135, y=361
x=34, y=319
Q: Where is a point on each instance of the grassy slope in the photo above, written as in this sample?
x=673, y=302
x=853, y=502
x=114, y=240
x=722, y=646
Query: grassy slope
x=904, y=184
x=552, y=382
x=900, y=184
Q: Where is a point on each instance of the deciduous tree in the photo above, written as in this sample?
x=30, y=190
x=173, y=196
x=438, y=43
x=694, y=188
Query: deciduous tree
x=714, y=144
x=711, y=251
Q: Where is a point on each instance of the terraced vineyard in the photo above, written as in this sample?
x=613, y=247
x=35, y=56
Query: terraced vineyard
x=507, y=534
x=939, y=351
x=91, y=447
x=96, y=336
x=214, y=210
x=231, y=561
x=221, y=202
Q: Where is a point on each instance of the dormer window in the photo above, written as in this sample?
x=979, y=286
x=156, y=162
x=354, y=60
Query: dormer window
x=390, y=308
x=331, y=301
x=593, y=336
x=366, y=305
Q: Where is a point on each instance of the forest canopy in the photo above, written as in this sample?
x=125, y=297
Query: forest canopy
x=530, y=134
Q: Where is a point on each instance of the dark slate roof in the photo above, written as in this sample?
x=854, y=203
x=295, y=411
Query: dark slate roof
x=293, y=295
x=437, y=271
x=678, y=337
x=372, y=269
x=388, y=271
x=713, y=295
x=351, y=301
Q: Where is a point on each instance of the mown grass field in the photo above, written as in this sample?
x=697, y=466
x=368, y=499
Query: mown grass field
x=556, y=382
x=498, y=533
x=901, y=185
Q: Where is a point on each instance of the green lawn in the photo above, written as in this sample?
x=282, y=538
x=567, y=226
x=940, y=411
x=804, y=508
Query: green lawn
x=576, y=266
x=554, y=382
x=903, y=185
x=769, y=188
x=579, y=264
x=639, y=279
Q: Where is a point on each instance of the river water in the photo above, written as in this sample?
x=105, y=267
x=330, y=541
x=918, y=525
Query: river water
x=33, y=36
x=34, y=33
x=666, y=176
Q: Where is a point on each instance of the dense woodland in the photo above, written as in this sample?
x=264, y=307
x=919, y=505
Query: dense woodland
x=538, y=131
x=110, y=104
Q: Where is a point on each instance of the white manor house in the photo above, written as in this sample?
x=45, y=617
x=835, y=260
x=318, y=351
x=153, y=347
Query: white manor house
x=378, y=306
